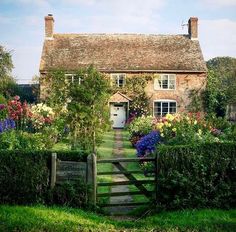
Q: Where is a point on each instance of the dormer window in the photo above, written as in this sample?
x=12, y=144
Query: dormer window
x=118, y=79
x=165, y=82
x=73, y=78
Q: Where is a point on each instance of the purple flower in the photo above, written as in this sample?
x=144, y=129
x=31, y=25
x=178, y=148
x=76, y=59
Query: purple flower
x=7, y=124
x=147, y=144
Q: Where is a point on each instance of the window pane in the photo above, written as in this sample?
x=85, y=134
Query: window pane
x=114, y=80
x=164, y=80
x=121, y=80
x=172, y=107
x=171, y=84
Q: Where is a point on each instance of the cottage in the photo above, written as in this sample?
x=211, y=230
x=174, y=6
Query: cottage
x=174, y=61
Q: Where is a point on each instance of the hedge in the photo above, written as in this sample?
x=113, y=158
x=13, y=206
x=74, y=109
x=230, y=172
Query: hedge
x=24, y=176
x=197, y=176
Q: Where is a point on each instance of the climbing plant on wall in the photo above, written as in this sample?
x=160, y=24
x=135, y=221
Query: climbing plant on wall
x=135, y=89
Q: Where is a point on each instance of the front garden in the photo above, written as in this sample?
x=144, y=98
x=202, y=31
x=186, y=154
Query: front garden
x=195, y=153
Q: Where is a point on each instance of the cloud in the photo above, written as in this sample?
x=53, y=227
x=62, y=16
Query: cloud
x=112, y=16
x=218, y=37
x=220, y=3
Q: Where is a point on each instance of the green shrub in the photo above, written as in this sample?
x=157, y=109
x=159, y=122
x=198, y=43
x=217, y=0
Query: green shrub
x=197, y=176
x=24, y=175
x=68, y=194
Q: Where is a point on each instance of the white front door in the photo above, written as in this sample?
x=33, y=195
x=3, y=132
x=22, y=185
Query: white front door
x=118, y=115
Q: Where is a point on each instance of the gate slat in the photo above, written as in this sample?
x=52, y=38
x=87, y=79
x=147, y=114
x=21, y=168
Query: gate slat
x=125, y=182
x=125, y=160
x=124, y=172
x=114, y=194
x=125, y=204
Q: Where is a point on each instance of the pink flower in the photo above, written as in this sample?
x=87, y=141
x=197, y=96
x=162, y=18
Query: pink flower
x=17, y=98
x=2, y=106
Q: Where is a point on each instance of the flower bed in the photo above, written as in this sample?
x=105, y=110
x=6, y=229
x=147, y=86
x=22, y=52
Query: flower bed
x=26, y=127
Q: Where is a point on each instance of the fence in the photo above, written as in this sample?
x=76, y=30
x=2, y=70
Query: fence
x=62, y=171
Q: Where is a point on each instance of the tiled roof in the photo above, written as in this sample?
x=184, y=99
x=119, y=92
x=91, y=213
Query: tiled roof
x=119, y=97
x=123, y=52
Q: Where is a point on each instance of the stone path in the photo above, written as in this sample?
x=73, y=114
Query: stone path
x=118, y=152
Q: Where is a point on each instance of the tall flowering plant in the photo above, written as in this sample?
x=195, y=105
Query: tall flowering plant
x=42, y=115
x=19, y=112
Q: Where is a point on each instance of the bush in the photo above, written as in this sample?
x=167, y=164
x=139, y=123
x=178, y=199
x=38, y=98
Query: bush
x=197, y=176
x=24, y=175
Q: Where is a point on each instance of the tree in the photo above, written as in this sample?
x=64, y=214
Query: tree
x=221, y=85
x=85, y=98
x=7, y=83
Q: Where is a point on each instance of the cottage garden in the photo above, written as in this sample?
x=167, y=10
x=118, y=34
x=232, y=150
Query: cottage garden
x=196, y=155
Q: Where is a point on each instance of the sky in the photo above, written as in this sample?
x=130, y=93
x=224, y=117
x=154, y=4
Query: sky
x=22, y=24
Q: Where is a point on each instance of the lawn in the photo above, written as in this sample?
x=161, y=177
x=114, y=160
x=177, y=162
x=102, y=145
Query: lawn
x=41, y=218
x=104, y=151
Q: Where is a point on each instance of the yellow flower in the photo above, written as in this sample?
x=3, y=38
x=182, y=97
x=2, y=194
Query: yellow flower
x=174, y=129
x=166, y=123
x=199, y=131
x=161, y=130
x=169, y=125
x=170, y=117
x=195, y=122
x=162, y=135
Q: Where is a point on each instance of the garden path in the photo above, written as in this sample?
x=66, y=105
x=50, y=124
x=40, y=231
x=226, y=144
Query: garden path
x=118, y=152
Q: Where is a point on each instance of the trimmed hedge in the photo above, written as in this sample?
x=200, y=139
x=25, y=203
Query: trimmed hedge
x=197, y=176
x=24, y=175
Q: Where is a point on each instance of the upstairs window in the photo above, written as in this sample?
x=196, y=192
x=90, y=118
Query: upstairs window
x=163, y=107
x=165, y=82
x=73, y=78
x=118, y=80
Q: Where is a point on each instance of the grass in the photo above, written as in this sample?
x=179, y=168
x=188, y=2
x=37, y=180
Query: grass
x=104, y=151
x=41, y=218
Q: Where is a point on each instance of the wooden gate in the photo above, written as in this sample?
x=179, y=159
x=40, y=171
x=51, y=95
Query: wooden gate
x=133, y=178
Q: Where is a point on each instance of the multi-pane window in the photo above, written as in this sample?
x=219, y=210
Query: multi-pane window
x=118, y=79
x=165, y=81
x=163, y=107
x=73, y=78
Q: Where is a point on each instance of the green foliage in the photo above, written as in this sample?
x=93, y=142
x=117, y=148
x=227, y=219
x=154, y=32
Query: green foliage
x=24, y=176
x=141, y=125
x=8, y=85
x=221, y=85
x=87, y=114
x=68, y=194
x=17, y=140
x=197, y=176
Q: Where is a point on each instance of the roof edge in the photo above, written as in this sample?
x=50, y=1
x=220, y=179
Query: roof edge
x=141, y=71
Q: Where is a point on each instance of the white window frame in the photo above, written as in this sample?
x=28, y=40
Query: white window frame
x=116, y=76
x=72, y=76
x=158, y=81
x=164, y=101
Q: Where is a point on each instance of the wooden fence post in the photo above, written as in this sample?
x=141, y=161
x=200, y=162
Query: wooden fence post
x=92, y=178
x=53, y=169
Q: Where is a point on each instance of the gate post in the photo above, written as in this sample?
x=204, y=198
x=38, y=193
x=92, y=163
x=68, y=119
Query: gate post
x=92, y=179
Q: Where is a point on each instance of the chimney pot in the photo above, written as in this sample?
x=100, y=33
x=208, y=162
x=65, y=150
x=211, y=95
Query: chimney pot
x=49, y=26
x=193, y=28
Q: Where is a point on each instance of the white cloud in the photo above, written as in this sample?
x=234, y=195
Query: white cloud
x=112, y=16
x=219, y=3
x=218, y=37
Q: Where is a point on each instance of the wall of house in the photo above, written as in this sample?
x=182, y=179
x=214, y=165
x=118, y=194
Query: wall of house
x=185, y=83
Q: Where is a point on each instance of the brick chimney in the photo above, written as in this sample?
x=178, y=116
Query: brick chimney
x=193, y=28
x=49, y=26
